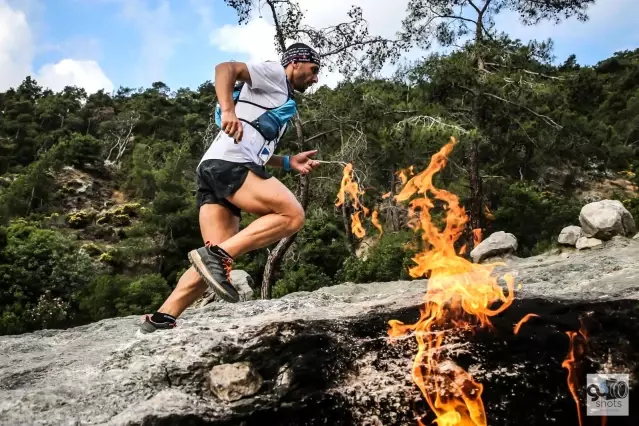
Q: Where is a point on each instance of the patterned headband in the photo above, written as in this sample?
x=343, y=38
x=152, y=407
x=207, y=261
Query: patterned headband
x=300, y=54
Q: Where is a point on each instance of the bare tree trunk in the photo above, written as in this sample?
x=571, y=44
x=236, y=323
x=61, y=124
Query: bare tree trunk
x=475, y=187
x=275, y=257
x=348, y=227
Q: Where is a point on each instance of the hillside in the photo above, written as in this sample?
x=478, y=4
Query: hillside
x=97, y=206
x=324, y=357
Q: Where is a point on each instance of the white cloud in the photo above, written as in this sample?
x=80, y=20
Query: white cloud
x=17, y=52
x=69, y=72
x=255, y=40
x=16, y=46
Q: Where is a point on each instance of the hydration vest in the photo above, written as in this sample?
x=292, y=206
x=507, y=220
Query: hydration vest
x=271, y=122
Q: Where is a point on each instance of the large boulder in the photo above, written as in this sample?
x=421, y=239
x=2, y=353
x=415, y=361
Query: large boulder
x=324, y=357
x=606, y=218
x=570, y=235
x=499, y=243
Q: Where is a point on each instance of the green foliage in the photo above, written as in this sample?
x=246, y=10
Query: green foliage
x=80, y=150
x=550, y=214
x=387, y=261
x=40, y=270
x=116, y=295
x=302, y=277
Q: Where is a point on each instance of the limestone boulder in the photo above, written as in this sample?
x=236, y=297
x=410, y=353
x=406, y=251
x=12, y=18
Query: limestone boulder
x=569, y=235
x=497, y=244
x=606, y=218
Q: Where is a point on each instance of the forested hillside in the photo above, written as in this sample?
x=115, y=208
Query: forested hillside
x=97, y=205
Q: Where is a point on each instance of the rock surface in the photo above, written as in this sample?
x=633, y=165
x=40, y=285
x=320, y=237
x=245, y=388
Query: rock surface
x=231, y=382
x=499, y=243
x=605, y=219
x=587, y=243
x=325, y=357
x=570, y=235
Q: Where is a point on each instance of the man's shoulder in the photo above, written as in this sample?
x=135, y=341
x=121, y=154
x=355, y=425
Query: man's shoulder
x=269, y=72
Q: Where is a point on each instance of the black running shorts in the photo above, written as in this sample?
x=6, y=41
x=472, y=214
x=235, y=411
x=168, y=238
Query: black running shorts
x=218, y=179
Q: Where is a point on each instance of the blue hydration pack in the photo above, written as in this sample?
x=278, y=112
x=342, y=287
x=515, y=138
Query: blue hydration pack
x=271, y=122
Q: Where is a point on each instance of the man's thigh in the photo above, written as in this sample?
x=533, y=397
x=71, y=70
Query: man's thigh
x=217, y=223
x=265, y=196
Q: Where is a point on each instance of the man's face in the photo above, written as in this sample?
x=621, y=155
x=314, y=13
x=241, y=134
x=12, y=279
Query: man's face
x=305, y=74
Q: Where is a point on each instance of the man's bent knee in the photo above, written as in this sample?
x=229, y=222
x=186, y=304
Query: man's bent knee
x=296, y=218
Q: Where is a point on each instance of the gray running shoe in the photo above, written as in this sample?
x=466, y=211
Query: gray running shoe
x=214, y=266
x=148, y=326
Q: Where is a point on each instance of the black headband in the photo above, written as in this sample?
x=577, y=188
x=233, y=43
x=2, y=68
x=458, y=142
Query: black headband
x=300, y=54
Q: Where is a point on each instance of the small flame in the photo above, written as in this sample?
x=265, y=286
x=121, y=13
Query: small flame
x=477, y=237
x=488, y=214
x=356, y=225
x=575, y=351
x=350, y=187
x=385, y=196
x=459, y=292
x=375, y=222
x=524, y=320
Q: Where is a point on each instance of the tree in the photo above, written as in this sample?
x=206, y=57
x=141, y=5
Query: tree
x=448, y=21
x=338, y=46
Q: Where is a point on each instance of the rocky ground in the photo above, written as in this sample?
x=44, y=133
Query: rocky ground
x=324, y=357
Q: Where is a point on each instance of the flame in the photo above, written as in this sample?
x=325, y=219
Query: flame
x=477, y=237
x=356, y=225
x=350, y=187
x=575, y=351
x=375, y=222
x=488, y=214
x=385, y=196
x=523, y=320
x=459, y=292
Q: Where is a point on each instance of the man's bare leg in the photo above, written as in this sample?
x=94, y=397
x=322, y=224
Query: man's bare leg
x=217, y=224
x=281, y=214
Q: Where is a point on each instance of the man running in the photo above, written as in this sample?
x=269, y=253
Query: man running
x=231, y=176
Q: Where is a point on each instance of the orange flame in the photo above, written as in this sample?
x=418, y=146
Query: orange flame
x=523, y=320
x=375, y=222
x=477, y=237
x=351, y=188
x=575, y=351
x=459, y=292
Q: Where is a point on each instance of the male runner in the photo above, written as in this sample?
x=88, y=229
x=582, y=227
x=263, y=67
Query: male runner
x=231, y=177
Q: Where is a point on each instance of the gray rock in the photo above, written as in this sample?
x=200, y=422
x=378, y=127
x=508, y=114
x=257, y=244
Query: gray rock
x=325, y=357
x=606, y=218
x=569, y=235
x=497, y=244
x=231, y=382
x=242, y=282
x=586, y=243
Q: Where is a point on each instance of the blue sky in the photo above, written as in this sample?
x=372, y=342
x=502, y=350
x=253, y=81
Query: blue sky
x=108, y=43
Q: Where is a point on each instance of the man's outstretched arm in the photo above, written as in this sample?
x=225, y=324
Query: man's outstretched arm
x=226, y=74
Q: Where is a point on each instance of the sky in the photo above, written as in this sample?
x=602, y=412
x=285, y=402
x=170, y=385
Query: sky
x=106, y=44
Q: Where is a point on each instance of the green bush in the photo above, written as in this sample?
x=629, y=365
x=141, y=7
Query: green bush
x=110, y=296
x=79, y=150
x=305, y=277
x=39, y=271
x=387, y=261
x=536, y=218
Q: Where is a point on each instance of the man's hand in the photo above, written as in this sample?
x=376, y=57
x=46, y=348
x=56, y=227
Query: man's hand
x=232, y=126
x=303, y=163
